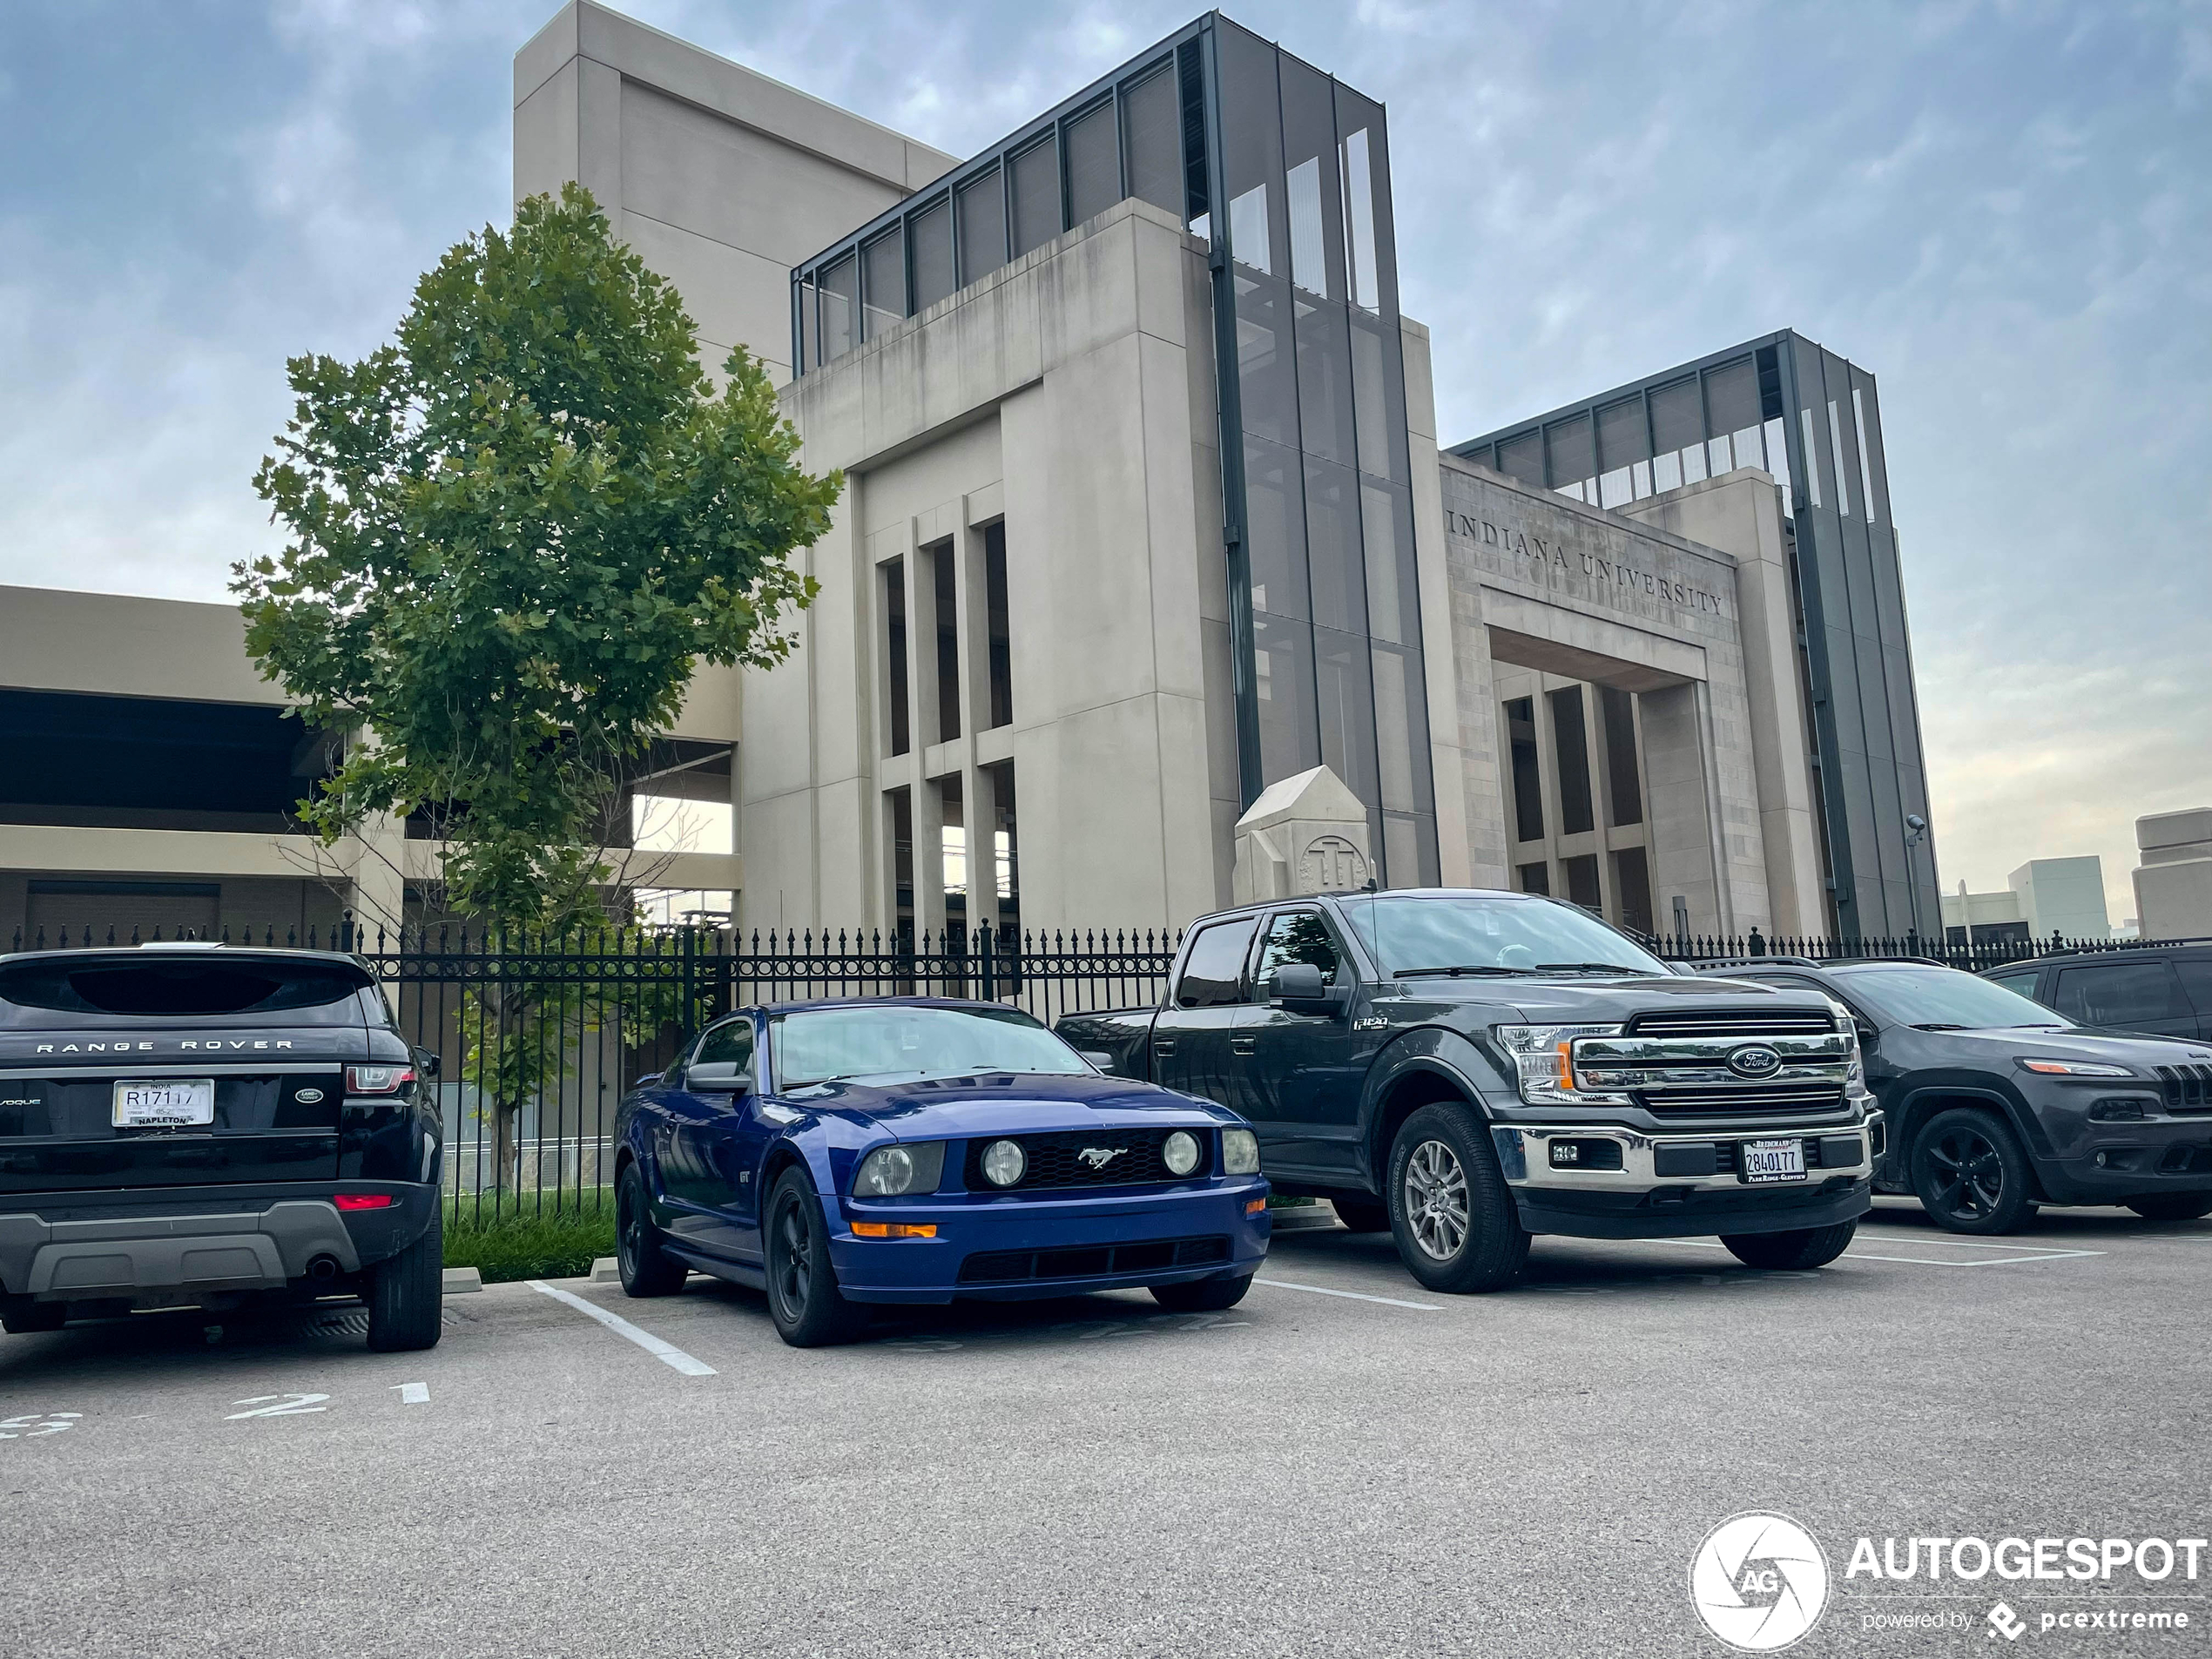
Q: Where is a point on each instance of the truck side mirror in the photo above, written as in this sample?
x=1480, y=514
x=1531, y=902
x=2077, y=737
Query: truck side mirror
x=1300, y=987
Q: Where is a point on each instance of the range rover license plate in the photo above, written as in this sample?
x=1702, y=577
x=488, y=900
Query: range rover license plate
x=1771, y=1160
x=166, y=1104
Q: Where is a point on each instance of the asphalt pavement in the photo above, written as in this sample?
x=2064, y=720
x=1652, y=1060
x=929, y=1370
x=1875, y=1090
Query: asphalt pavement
x=1344, y=1464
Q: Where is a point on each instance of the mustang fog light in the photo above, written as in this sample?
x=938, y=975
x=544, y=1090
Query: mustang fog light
x=890, y=1171
x=1003, y=1162
x=1239, y=1152
x=1180, y=1153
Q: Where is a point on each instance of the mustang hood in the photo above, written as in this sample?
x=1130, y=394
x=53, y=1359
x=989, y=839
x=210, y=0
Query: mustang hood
x=1010, y=1103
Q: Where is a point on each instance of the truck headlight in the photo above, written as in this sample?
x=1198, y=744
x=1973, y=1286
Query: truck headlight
x=890, y=1171
x=1239, y=1152
x=1544, y=1056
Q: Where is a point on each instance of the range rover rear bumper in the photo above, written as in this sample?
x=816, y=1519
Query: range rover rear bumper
x=196, y=1241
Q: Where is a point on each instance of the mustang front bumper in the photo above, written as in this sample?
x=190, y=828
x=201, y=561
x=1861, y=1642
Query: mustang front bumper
x=1018, y=1246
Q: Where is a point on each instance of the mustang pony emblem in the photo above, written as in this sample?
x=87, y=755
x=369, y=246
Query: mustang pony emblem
x=1099, y=1156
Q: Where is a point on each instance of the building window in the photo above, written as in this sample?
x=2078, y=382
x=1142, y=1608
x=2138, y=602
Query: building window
x=1005, y=845
x=1534, y=878
x=840, y=307
x=1866, y=465
x=932, y=232
x=1094, y=163
x=951, y=849
x=1835, y=439
x=1581, y=882
x=1151, y=141
x=1309, y=253
x=894, y=654
x=945, y=603
x=1248, y=229
x=1036, y=196
x=1571, y=456
x=1571, y=746
x=1632, y=889
x=1359, y=222
x=981, y=205
x=884, y=282
x=1812, y=460
x=902, y=866
x=1527, y=773
x=1002, y=648
x=1623, y=786
x=1522, y=458
x=808, y=325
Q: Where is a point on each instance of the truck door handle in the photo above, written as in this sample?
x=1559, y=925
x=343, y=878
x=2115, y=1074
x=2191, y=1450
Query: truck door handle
x=1240, y=1045
x=1163, y=1047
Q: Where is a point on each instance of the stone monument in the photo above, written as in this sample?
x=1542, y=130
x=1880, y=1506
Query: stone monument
x=1307, y=833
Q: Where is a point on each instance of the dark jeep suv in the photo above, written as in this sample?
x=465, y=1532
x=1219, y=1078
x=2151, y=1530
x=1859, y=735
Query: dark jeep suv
x=1997, y=1104
x=208, y=1125
x=2159, y=990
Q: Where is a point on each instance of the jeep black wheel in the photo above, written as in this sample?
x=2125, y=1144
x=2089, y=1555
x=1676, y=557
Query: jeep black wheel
x=810, y=1312
x=1205, y=1296
x=1451, y=1211
x=2173, y=1206
x=646, y=1269
x=407, y=1292
x=1363, y=1215
x=1800, y=1248
x=1971, y=1174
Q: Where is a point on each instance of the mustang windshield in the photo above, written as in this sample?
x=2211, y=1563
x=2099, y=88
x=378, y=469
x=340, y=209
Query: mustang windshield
x=1500, y=935
x=827, y=1045
x=1914, y=993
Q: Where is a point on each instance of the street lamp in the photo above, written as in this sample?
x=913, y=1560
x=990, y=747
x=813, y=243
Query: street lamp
x=1917, y=827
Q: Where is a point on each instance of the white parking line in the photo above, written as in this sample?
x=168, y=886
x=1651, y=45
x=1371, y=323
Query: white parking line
x=2041, y=1253
x=415, y=1393
x=666, y=1352
x=1355, y=1296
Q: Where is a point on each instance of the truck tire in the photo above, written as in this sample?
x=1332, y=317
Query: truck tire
x=808, y=1309
x=1802, y=1248
x=406, y=1293
x=1205, y=1296
x=1363, y=1215
x=21, y=1317
x=2173, y=1206
x=646, y=1269
x=1971, y=1174
x=1451, y=1211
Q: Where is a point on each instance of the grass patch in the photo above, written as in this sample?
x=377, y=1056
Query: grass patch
x=529, y=1242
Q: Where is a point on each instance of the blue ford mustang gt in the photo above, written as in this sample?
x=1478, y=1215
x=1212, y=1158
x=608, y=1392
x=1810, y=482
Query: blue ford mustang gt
x=843, y=1152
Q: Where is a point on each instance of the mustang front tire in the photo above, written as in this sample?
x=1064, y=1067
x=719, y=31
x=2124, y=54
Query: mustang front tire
x=646, y=1269
x=406, y=1293
x=1205, y=1296
x=1450, y=1210
x=1802, y=1248
x=810, y=1312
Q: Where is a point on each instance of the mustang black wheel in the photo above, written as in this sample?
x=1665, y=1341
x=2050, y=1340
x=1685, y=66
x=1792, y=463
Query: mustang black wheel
x=1363, y=1215
x=1206, y=1295
x=1452, y=1212
x=406, y=1293
x=1971, y=1173
x=2173, y=1206
x=1800, y=1248
x=810, y=1312
x=646, y=1269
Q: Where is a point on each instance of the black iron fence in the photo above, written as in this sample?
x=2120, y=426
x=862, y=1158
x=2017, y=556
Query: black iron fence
x=539, y=1039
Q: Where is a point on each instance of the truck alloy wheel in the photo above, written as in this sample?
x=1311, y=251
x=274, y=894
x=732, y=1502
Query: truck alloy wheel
x=1436, y=1190
x=1451, y=1213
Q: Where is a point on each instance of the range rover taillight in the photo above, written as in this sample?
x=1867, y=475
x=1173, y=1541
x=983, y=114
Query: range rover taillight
x=377, y=1080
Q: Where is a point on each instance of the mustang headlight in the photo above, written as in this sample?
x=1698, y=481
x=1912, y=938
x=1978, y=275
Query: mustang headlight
x=1239, y=1152
x=890, y=1171
x=1180, y=1152
x=1003, y=1162
x=1544, y=1056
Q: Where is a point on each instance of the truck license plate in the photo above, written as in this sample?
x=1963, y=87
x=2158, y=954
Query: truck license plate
x=1772, y=1160
x=168, y=1105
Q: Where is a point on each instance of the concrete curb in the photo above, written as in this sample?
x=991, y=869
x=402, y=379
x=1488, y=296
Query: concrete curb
x=459, y=1281
x=605, y=1270
x=1305, y=1218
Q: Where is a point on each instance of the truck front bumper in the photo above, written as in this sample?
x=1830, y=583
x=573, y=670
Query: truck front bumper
x=1684, y=1184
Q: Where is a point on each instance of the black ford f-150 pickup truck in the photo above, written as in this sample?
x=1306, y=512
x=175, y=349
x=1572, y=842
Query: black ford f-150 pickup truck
x=1467, y=1069
x=212, y=1126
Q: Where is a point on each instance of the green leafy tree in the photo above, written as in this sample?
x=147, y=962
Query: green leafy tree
x=514, y=533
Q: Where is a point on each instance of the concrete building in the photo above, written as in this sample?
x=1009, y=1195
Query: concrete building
x=2174, y=882
x=2043, y=897
x=1149, y=585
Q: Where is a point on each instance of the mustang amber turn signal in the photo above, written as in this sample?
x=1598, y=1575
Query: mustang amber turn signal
x=895, y=1230
x=364, y=1201
x=1254, y=1206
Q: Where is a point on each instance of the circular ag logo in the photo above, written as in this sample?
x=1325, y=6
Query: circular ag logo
x=1754, y=1060
x=1759, y=1581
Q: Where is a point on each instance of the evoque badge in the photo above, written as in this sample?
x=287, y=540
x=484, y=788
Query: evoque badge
x=1099, y=1156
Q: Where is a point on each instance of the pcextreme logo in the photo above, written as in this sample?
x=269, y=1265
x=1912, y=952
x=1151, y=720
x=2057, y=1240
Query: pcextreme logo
x=1759, y=1583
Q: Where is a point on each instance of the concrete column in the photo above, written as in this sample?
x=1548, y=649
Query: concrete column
x=1679, y=809
x=1449, y=732
x=377, y=880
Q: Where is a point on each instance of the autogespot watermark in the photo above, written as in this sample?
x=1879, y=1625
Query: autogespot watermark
x=1761, y=1582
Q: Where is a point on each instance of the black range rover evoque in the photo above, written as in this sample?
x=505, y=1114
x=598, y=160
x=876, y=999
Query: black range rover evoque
x=203, y=1124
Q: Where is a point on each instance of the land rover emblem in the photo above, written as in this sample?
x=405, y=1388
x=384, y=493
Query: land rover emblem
x=1754, y=1060
x=1099, y=1156
x=309, y=1097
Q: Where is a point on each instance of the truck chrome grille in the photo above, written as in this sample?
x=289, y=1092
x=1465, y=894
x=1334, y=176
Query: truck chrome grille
x=1740, y=1101
x=1732, y=1022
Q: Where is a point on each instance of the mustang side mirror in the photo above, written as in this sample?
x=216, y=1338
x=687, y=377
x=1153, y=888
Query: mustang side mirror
x=1299, y=987
x=719, y=1078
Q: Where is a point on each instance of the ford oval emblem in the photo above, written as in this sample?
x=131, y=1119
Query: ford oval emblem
x=1754, y=1060
x=309, y=1097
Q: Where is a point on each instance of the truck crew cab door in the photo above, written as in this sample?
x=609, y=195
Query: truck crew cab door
x=1308, y=1066
x=1200, y=1035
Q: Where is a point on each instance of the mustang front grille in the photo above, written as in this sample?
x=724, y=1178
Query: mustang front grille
x=1119, y=1157
x=1093, y=1261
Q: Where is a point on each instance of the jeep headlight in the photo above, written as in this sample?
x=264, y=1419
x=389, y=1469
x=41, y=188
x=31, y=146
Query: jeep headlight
x=1544, y=1056
x=889, y=1171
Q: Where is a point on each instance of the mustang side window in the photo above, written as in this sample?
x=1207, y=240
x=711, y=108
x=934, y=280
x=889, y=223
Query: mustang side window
x=1213, y=972
x=1298, y=936
x=727, y=1044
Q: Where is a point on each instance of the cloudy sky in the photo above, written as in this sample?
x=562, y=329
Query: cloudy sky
x=2004, y=211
